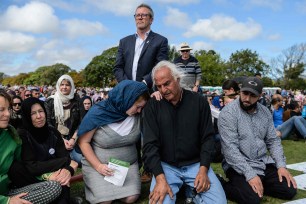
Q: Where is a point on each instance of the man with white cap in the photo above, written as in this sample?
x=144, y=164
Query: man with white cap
x=254, y=160
x=189, y=65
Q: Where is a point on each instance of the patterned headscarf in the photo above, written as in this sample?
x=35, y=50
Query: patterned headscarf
x=113, y=109
x=60, y=99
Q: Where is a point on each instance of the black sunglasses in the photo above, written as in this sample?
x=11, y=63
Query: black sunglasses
x=184, y=50
x=15, y=104
x=27, y=95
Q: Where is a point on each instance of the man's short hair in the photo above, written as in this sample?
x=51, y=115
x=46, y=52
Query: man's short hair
x=148, y=7
x=228, y=84
x=166, y=64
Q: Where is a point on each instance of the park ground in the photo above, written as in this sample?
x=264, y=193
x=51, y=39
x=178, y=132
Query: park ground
x=295, y=152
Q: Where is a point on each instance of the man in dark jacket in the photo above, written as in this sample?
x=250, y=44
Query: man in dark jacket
x=140, y=52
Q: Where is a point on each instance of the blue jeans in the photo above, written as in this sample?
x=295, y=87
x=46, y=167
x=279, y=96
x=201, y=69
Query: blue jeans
x=77, y=157
x=176, y=177
x=296, y=121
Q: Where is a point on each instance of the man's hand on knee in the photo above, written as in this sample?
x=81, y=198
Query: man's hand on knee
x=161, y=189
x=257, y=186
x=201, y=182
x=283, y=172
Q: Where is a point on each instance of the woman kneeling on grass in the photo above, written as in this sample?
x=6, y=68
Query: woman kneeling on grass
x=10, y=150
x=111, y=129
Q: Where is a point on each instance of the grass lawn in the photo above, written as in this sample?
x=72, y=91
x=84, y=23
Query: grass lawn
x=295, y=152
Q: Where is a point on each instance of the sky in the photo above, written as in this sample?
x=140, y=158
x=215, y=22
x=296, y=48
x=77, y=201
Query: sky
x=45, y=32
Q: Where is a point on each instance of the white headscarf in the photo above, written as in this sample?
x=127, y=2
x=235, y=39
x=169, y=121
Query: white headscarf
x=60, y=99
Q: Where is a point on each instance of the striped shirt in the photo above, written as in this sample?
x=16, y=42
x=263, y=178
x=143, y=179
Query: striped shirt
x=249, y=141
x=191, y=69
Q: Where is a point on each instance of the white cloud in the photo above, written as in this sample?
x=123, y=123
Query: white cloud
x=16, y=42
x=120, y=8
x=220, y=27
x=75, y=27
x=275, y=5
x=200, y=45
x=35, y=17
x=176, y=18
x=197, y=45
x=274, y=37
x=71, y=6
x=57, y=51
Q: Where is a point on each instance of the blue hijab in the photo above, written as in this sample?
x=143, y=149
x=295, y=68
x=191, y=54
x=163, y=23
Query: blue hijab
x=113, y=109
x=216, y=102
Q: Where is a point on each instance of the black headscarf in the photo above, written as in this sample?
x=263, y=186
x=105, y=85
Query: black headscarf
x=39, y=134
x=82, y=108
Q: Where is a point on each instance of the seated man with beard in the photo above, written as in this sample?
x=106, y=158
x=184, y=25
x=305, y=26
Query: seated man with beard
x=254, y=160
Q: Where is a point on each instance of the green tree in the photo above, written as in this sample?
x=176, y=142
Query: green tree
x=246, y=63
x=267, y=82
x=297, y=84
x=295, y=71
x=47, y=75
x=289, y=65
x=77, y=78
x=99, y=72
x=173, y=53
x=52, y=73
x=18, y=79
x=1, y=76
x=212, y=66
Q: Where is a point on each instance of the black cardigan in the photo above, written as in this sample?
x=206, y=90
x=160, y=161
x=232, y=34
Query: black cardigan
x=46, y=157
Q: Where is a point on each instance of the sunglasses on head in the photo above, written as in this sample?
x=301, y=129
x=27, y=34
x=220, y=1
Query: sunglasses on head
x=15, y=104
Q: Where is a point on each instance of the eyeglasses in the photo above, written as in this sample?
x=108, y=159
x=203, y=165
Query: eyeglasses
x=142, y=15
x=15, y=104
x=184, y=50
x=27, y=95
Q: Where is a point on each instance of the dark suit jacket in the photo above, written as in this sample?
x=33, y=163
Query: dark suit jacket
x=154, y=50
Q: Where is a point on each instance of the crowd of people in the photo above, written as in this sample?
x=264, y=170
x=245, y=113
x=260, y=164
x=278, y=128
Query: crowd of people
x=157, y=121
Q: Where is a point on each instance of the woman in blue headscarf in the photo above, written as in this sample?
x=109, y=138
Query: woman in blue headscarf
x=110, y=129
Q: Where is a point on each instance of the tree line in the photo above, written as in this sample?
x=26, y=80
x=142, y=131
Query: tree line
x=286, y=71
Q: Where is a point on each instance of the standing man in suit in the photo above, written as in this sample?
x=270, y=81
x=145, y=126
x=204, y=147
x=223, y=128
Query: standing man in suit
x=140, y=52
